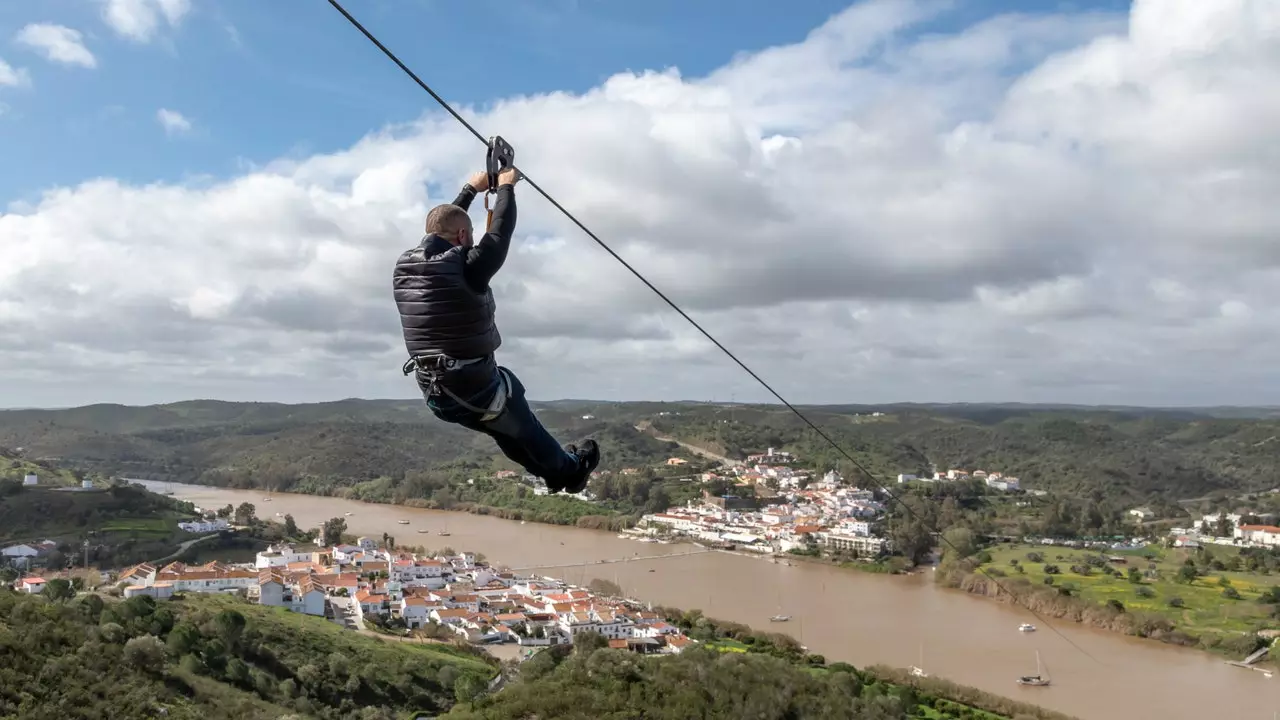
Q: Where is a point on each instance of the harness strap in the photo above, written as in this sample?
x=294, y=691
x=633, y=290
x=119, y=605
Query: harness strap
x=432, y=367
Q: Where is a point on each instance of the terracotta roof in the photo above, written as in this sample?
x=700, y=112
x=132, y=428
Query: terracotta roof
x=1260, y=528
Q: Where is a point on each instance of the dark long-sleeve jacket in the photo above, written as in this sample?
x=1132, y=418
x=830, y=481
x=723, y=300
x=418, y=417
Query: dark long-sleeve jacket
x=442, y=291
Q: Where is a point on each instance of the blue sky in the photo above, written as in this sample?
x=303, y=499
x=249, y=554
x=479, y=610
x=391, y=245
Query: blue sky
x=260, y=80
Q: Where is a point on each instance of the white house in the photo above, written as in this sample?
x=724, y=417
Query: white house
x=204, y=526
x=282, y=555
x=30, y=479
x=1268, y=535
x=33, y=584
x=1142, y=513
x=305, y=598
x=159, y=591
x=414, y=611
x=271, y=589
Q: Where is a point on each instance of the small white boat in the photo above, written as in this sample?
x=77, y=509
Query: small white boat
x=780, y=618
x=918, y=670
x=347, y=514
x=1026, y=627
x=403, y=522
x=1040, y=679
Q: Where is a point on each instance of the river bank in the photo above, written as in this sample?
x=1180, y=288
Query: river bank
x=555, y=511
x=860, y=618
x=1134, y=593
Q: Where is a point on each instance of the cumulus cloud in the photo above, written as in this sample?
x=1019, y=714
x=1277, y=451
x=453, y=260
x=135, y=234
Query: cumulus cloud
x=1060, y=207
x=57, y=43
x=11, y=76
x=173, y=122
x=140, y=20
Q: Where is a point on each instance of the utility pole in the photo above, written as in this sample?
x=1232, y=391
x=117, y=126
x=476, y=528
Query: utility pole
x=86, y=553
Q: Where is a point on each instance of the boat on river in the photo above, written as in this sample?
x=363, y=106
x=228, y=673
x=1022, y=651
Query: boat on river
x=1040, y=679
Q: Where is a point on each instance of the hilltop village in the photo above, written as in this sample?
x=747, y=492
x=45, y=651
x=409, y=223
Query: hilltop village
x=367, y=587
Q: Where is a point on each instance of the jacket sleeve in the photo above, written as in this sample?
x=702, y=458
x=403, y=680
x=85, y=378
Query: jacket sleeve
x=487, y=256
x=465, y=196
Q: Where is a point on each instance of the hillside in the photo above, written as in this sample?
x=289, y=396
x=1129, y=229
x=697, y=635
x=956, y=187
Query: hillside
x=213, y=658
x=216, y=657
x=15, y=466
x=122, y=524
x=396, y=450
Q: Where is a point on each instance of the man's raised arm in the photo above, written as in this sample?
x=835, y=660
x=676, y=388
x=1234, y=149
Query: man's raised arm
x=486, y=257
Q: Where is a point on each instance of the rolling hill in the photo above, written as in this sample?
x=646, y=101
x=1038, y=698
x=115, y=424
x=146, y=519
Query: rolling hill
x=1129, y=453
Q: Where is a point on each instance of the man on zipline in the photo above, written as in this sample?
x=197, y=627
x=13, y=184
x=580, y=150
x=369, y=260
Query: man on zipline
x=447, y=314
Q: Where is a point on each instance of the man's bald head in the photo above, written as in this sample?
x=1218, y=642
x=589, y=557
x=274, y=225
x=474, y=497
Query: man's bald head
x=451, y=223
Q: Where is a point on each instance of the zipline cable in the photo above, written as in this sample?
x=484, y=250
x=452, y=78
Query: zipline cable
x=866, y=473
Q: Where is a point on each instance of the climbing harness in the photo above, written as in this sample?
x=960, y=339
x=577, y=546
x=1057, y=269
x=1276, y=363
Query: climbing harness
x=434, y=367
x=496, y=150
x=500, y=156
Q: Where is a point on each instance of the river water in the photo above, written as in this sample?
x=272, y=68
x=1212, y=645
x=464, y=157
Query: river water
x=860, y=618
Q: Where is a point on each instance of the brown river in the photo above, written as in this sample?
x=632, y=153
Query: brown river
x=859, y=618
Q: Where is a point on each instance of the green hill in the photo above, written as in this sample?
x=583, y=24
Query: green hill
x=1126, y=454
x=207, y=657
x=122, y=524
x=15, y=466
x=213, y=658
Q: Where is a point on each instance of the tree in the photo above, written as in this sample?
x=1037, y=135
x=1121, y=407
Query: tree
x=226, y=511
x=959, y=544
x=912, y=538
x=146, y=653
x=290, y=527
x=58, y=589
x=184, y=639
x=467, y=688
x=230, y=624
x=585, y=643
x=246, y=513
x=1224, y=527
x=332, y=530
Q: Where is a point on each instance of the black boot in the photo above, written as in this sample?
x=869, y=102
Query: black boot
x=588, y=458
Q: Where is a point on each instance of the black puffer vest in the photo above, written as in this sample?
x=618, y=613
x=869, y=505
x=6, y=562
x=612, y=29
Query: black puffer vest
x=439, y=312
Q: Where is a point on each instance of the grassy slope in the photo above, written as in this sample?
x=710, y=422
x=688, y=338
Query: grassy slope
x=280, y=664
x=1205, y=609
x=14, y=467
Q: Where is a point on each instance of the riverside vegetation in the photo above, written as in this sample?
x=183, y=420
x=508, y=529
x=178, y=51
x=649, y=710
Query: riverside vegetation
x=215, y=657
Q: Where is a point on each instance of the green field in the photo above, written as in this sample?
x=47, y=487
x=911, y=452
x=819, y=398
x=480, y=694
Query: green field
x=1204, y=606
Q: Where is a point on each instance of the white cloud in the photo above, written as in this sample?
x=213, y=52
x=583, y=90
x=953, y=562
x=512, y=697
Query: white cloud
x=58, y=43
x=139, y=20
x=1059, y=207
x=11, y=76
x=173, y=122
